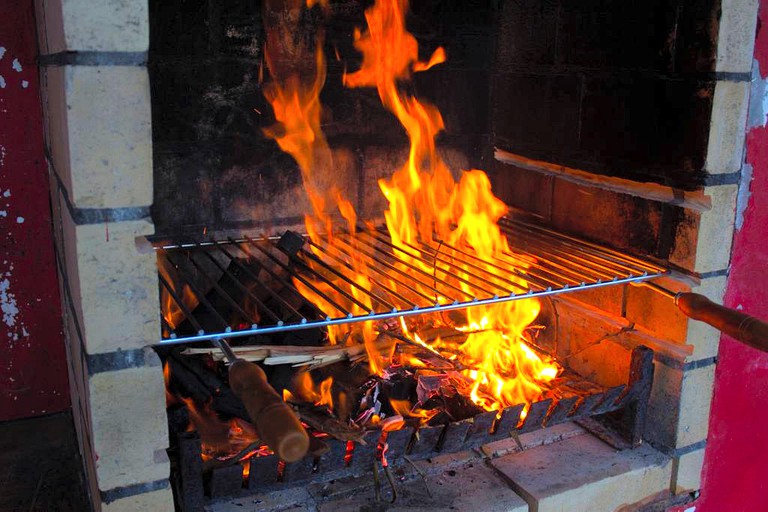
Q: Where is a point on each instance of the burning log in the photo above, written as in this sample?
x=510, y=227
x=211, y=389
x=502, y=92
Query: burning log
x=318, y=418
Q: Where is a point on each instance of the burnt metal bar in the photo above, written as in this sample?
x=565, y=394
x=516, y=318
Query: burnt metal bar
x=560, y=413
x=263, y=472
x=190, y=472
x=299, y=470
x=585, y=407
x=536, y=416
x=480, y=431
x=510, y=418
x=226, y=481
x=454, y=436
x=609, y=399
x=426, y=441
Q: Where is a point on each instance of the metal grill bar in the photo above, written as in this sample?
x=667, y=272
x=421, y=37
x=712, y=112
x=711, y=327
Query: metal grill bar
x=407, y=279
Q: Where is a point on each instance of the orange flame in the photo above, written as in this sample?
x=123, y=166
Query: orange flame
x=306, y=389
x=425, y=202
x=171, y=310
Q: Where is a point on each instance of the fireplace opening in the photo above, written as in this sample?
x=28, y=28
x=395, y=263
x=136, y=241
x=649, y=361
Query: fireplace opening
x=415, y=316
x=419, y=403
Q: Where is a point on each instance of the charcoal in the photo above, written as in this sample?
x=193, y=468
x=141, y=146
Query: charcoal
x=399, y=386
x=429, y=386
x=452, y=408
x=291, y=243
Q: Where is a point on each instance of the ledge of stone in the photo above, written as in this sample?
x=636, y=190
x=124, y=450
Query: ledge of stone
x=584, y=474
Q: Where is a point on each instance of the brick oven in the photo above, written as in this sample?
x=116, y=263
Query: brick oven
x=620, y=124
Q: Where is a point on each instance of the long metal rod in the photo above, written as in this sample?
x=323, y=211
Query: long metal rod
x=524, y=273
x=351, y=282
x=222, y=293
x=593, y=261
x=382, y=272
x=595, y=258
x=509, y=282
x=395, y=314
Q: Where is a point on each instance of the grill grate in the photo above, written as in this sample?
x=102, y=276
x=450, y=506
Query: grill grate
x=404, y=279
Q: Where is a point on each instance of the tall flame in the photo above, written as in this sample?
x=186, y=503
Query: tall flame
x=425, y=204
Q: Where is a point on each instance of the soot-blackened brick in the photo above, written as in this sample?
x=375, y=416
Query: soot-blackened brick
x=536, y=112
x=354, y=112
x=647, y=129
x=460, y=95
x=613, y=35
x=521, y=188
x=237, y=29
x=179, y=27
x=618, y=220
x=696, y=45
x=526, y=34
x=207, y=100
x=463, y=28
x=183, y=168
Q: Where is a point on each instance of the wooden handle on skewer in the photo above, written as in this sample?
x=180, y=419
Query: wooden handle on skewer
x=747, y=329
x=275, y=421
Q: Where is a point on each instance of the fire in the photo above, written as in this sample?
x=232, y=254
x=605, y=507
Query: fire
x=171, y=310
x=219, y=439
x=426, y=204
x=306, y=390
x=222, y=439
x=406, y=410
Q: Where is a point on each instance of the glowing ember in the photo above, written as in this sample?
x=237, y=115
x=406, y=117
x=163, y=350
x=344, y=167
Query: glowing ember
x=426, y=203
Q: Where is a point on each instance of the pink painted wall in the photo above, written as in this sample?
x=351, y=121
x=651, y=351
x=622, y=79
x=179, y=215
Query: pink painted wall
x=734, y=476
x=33, y=365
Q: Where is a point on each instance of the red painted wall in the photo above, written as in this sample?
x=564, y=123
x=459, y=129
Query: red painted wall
x=33, y=365
x=734, y=477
